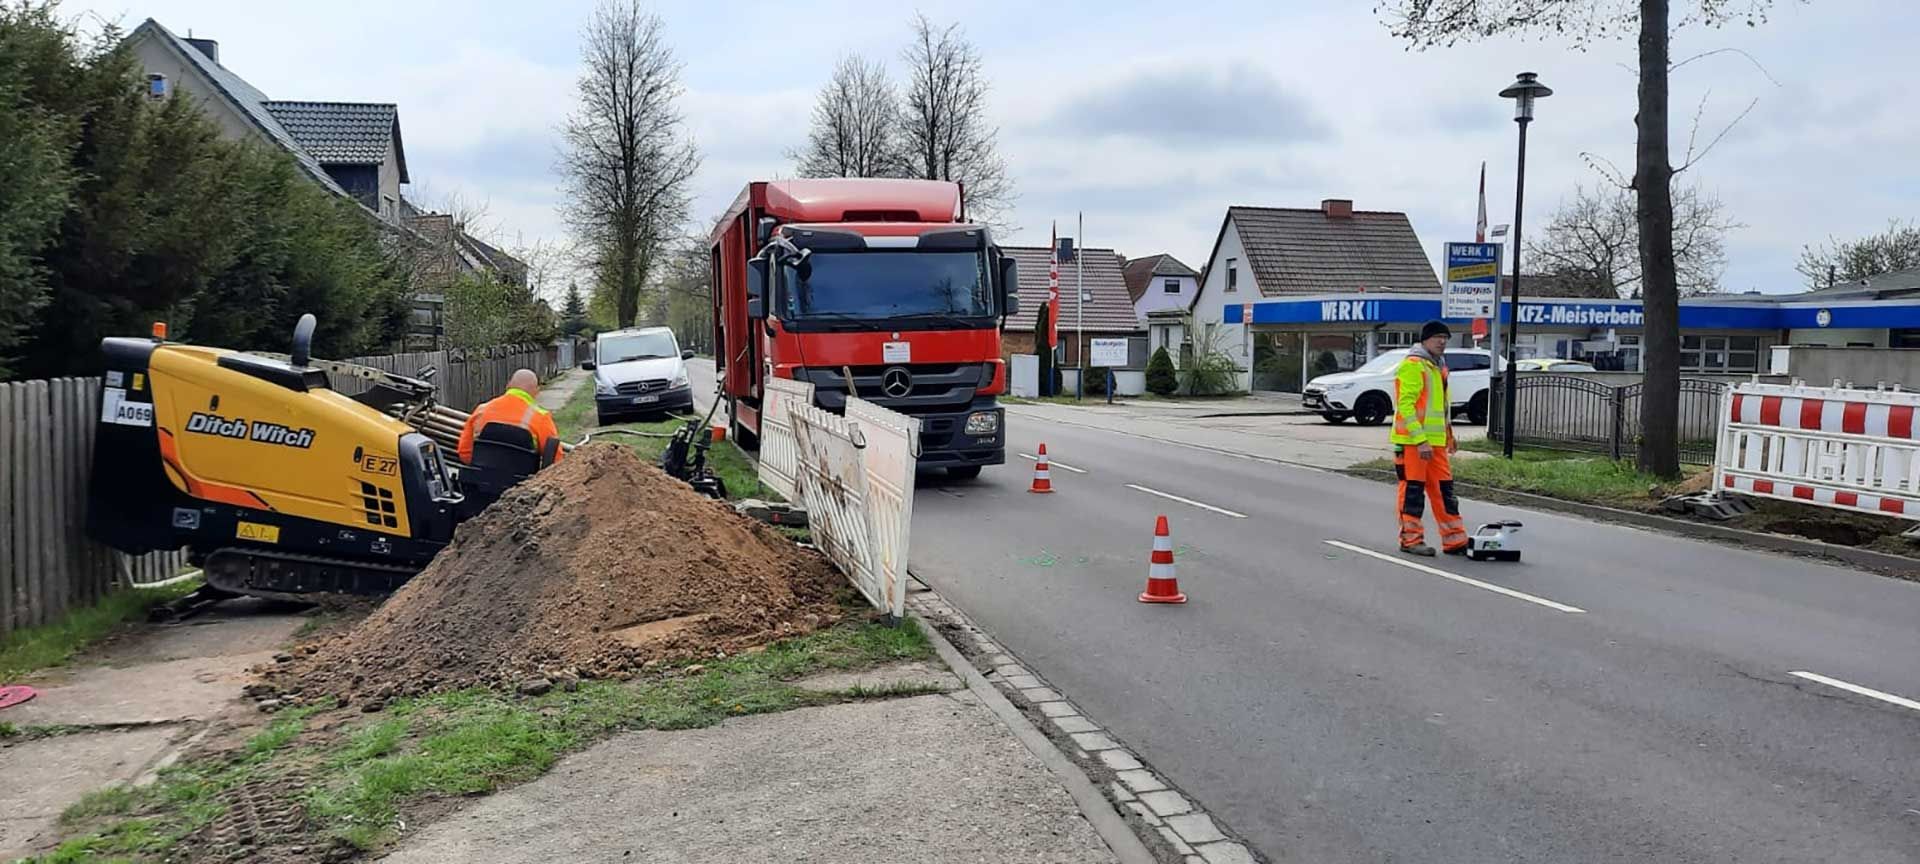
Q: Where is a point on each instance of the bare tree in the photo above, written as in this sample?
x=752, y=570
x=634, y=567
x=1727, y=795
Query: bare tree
x=628, y=163
x=1596, y=237
x=944, y=122
x=1427, y=23
x=856, y=125
x=1897, y=248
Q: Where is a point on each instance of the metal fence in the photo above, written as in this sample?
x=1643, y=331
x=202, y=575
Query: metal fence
x=47, y=564
x=1574, y=412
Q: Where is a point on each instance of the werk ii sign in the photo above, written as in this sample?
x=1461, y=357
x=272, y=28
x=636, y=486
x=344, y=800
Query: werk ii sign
x=1473, y=280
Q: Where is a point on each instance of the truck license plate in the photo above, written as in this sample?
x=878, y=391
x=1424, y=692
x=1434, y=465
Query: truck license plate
x=645, y=400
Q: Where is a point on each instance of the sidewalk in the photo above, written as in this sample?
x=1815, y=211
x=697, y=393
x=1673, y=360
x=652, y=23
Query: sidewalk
x=932, y=778
x=126, y=709
x=554, y=394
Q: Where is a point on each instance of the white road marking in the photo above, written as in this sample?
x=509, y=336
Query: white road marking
x=1052, y=464
x=1220, y=510
x=1868, y=692
x=1412, y=565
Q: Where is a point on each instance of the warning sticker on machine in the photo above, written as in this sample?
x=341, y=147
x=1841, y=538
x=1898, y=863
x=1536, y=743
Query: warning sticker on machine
x=114, y=408
x=257, y=532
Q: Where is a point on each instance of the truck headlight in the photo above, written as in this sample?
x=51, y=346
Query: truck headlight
x=679, y=380
x=983, y=423
x=604, y=388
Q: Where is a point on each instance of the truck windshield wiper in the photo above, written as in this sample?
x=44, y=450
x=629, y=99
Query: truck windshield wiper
x=840, y=317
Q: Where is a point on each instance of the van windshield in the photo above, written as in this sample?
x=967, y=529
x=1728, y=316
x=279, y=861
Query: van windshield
x=883, y=285
x=621, y=347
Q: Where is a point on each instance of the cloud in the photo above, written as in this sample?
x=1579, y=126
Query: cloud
x=1236, y=103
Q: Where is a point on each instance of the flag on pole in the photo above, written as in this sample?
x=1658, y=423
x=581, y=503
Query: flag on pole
x=1053, y=285
x=1480, y=327
x=1480, y=224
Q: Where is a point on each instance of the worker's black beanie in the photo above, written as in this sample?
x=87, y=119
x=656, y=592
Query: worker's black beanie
x=1432, y=329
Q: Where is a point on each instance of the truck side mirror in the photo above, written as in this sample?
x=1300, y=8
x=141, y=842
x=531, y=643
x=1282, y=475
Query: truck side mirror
x=763, y=231
x=757, y=288
x=1009, y=286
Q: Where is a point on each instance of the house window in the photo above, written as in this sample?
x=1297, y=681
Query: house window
x=1171, y=286
x=1720, y=354
x=1390, y=339
x=1233, y=275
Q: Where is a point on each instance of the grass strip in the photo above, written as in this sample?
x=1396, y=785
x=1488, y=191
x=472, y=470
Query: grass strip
x=734, y=468
x=32, y=648
x=471, y=742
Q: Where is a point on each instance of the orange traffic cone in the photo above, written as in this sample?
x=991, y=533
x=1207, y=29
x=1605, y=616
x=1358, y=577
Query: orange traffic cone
x=1162, y=587
x=1042, y=478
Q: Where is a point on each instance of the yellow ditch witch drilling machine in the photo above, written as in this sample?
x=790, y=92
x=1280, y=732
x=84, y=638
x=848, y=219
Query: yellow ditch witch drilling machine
x=279, y=486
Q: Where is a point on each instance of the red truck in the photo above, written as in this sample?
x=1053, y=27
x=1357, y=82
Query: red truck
x=880, y=280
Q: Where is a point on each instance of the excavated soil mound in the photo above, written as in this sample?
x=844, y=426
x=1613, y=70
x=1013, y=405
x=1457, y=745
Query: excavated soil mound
x=591, y=568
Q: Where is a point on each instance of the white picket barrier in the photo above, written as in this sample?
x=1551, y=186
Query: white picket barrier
x=889, y=459
x=779, y=456
x=1835, y=447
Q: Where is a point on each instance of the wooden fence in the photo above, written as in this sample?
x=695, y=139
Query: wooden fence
x=47, y=564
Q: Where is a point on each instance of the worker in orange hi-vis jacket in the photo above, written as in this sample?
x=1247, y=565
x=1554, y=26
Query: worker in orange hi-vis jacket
x=1422, y=442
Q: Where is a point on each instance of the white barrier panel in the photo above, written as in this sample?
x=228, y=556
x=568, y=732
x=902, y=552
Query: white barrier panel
x=889, y=459
x=832, y=486
x=1834, y=447
x=779, y=456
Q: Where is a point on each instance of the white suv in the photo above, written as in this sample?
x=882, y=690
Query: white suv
x=1366, y=393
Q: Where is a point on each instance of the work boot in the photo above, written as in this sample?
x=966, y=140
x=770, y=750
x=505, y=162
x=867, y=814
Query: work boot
x=1419, y=550
x=1457, y=550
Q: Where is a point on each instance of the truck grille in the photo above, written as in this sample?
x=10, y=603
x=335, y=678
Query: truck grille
x=934, y=387
x=635, y=388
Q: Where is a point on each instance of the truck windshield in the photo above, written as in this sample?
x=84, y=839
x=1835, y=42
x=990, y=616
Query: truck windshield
x=884, y=285
x=637, y=346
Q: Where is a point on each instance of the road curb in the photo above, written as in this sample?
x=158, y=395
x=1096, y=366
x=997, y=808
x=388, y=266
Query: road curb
x=1880, y=562
x=1166, y=825
x=1099, y=813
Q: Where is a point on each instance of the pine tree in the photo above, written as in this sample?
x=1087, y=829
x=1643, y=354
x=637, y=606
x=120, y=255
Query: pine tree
x=574, y=313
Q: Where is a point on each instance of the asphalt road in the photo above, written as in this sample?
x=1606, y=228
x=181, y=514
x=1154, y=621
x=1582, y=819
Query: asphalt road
x=1333, y=706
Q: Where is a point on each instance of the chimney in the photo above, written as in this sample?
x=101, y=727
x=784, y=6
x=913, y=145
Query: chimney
x=206, y=46
x=1337, y=208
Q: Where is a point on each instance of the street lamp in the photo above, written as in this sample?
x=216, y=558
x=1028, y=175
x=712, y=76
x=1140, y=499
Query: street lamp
x=1522, y=91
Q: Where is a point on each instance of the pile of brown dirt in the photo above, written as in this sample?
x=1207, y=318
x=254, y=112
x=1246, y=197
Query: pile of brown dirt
x=593, y=567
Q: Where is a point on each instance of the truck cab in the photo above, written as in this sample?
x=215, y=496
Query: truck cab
x=876, y=288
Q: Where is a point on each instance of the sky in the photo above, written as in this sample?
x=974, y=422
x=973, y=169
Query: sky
x=1148, y=119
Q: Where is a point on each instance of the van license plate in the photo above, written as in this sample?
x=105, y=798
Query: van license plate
x=645, y=400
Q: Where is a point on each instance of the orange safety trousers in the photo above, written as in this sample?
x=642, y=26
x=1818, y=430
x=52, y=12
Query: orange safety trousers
x=1421, y=481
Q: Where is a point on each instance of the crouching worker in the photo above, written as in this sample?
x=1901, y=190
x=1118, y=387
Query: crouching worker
x=1422, y=442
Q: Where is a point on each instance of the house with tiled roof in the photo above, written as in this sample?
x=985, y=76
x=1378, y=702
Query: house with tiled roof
x=1270, y=252
x=352, y=149
x=1107, y=311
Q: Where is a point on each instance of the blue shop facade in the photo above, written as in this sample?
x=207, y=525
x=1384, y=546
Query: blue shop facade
x=1720, y=334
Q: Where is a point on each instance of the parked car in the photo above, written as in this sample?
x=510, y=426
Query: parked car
x=1366, y=393
x=639, y=372
x=1549, y=364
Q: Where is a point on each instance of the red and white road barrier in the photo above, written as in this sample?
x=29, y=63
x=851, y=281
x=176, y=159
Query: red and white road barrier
x=1835, y=447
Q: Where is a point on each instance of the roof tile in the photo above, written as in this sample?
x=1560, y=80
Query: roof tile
x=351, y=133
x=1303, y=251
x=1110, y=310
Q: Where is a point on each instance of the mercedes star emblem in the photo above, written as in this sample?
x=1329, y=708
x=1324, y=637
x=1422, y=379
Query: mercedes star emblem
x=896, y=382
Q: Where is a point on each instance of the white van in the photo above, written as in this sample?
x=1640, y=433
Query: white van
x=639, y=371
